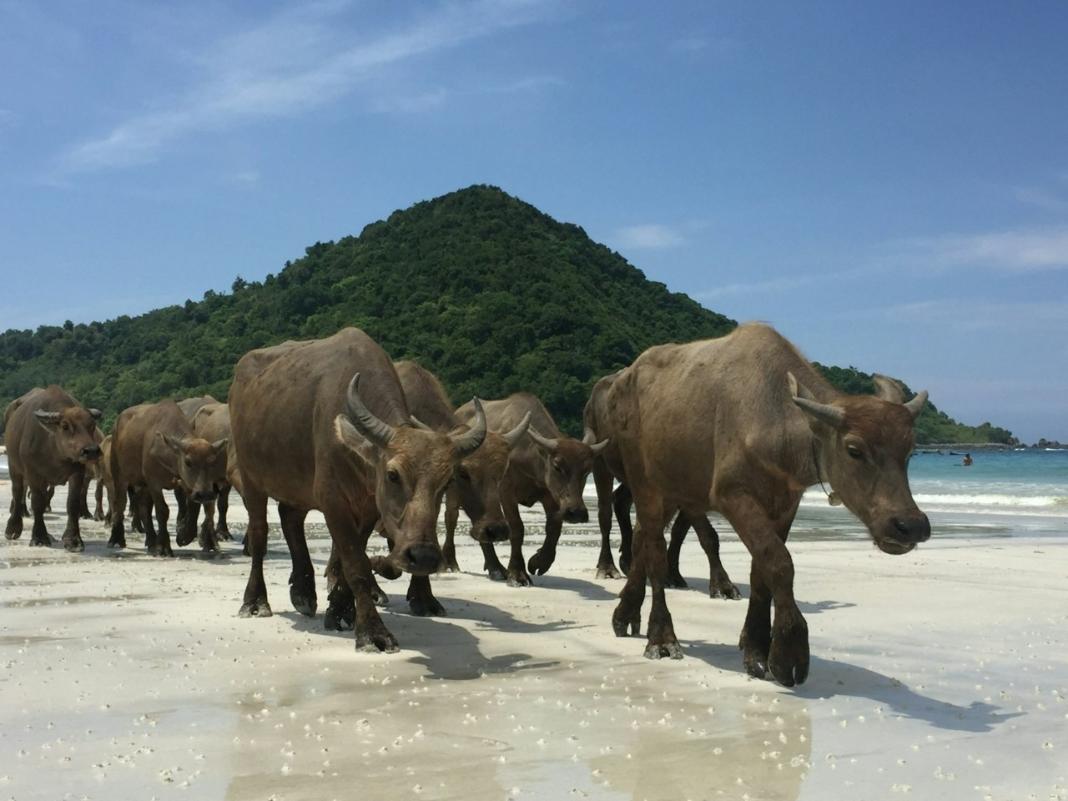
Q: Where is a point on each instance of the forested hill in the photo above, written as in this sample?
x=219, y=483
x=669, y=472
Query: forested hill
x=483, y=289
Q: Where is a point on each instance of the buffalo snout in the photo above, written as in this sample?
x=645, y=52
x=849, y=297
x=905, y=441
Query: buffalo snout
x=91, y=453
x=916, y=528
x=421, y=559
x=576, y=514
x=497, y=532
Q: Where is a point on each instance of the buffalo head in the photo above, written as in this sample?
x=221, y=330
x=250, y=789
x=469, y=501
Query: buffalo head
x=74, y=432
x=862, y=448
x=567, y=464
x=200, y=465
x=412, y=468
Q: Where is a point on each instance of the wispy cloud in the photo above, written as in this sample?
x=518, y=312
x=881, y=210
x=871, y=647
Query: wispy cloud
x=1020, y=250
x=788, y=283
x=650, y=235
x=1040, y=198
x=293, y=62
x=976, y=314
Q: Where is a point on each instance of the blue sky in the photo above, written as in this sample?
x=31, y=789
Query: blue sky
x=887, y=183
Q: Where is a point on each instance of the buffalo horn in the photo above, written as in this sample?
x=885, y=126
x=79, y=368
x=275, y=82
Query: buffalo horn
x=47, y=417
x=468, y=442
x=513, y=436
x=825, y=413
x=916, y=404
x=545, y=442
x=375, y=430
x=590, y=438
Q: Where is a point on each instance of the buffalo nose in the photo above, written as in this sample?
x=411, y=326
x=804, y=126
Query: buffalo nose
x=576, y=514
x=422, y=559
x=913, y=529
x=91, y=452
x=496, y=532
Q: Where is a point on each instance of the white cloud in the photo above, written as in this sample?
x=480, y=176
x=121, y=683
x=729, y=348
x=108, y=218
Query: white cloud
x=650, y=235
x=1021, y=250
x=1039, y=198
x=295, y=61
x=977, y=314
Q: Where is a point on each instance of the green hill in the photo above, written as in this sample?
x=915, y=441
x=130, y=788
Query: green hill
x=483, y=289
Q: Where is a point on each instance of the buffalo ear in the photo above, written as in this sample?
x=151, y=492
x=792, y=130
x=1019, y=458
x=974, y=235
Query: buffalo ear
x=349, y=436
x=47, y=419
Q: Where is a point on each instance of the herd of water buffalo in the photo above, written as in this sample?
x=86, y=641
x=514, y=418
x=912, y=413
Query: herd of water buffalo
x=741, y=425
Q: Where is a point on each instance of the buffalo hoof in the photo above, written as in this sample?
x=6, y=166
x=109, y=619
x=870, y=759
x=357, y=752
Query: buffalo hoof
x=303, y=601
x=541, y=561
x=379, y=597
x=41, y=539
x=209, y=547
x=624, y=563
x=158, y=549
x=426, y=606
x=677, y=581
x=519, y=578
x=183, y=538
x=723, y=589
x=376, y=638
x=13, y=532
x=73, y=545
x=339, y=617
x=257, y=608
x=788, y=657
x=626, y=623
x=223, y=534
x=755, y=654
x=496, y=572
x=117, y=543
x=608, y=571
x=449, y=564
x=663, y=650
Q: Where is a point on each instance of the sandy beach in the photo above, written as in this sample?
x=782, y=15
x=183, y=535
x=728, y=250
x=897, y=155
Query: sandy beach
x=939, y=674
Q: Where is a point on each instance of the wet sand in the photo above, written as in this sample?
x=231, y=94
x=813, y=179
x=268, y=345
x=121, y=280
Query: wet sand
x=940, y=674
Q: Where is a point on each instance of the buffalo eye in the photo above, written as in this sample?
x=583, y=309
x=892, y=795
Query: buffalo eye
x=854, y=452
x=558, y=466
x=188, y=462
x=65, y=425
x=462, y=473
x=393, y=476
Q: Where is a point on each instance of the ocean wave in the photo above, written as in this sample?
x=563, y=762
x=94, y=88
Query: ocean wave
x=982, y=502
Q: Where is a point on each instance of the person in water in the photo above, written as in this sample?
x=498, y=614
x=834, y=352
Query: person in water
x=967, y=460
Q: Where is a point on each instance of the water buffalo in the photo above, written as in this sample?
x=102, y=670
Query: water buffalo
x=476, y=488
x=324, y=424
x=50, y=439
x=548, y=468
x=211, y=422
x=742, y=425
x=153, y=448
x=608, y=466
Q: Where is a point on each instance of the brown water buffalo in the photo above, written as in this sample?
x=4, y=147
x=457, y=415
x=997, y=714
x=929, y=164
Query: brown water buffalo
x=324, y=424
x=547, y=468
x=608, y=466
x=153, y=448
x=476, y=488
x=50, y=439
x=211, y=422
x=103, y=481
x=743, y=424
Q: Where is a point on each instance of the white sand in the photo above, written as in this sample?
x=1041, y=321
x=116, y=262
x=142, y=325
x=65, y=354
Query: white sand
x=941, y=674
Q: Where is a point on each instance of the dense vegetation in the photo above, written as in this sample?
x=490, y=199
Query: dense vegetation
x=481, y=288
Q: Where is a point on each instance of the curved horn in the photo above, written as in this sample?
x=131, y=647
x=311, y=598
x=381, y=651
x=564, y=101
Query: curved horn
x=888, y=389
x=512, y=437
x=476, y=434
x=545, y=442
x=375, y=430
x=825, y=413
x=419, y=423
x=47, y=417
x=916, y=404
x=589, y=437
x=96, y=414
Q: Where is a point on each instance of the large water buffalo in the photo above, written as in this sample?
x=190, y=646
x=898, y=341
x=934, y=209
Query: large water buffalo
x=324, y=424
x=608, y=466
x=743, y=424
x=211, y=422
x=476, y=488
x=153, y=448
x=50, y=438
x=548, y=468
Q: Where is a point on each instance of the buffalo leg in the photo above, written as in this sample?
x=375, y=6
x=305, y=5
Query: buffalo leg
x=781, y=648
x=49, y=495
x=544, y=557
x=137, y=522
x=421, y=598
x=83, y=500
x=621, y=503
x=206, y=535
x=188, y=514
x=719, y=583
x=452, y=516
x=516, y=574
x=72, y=535
x=340, y=602
x=119, y=498
x=98, y=513
x=649, y=542
x=602, y=479
x=14, y=520
x=302, y=578
x=39, y=501
x=163, y=513
x=255, y=601
x=351, y=542
x=222, y=505
x=679, y=530
x=491, y=563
